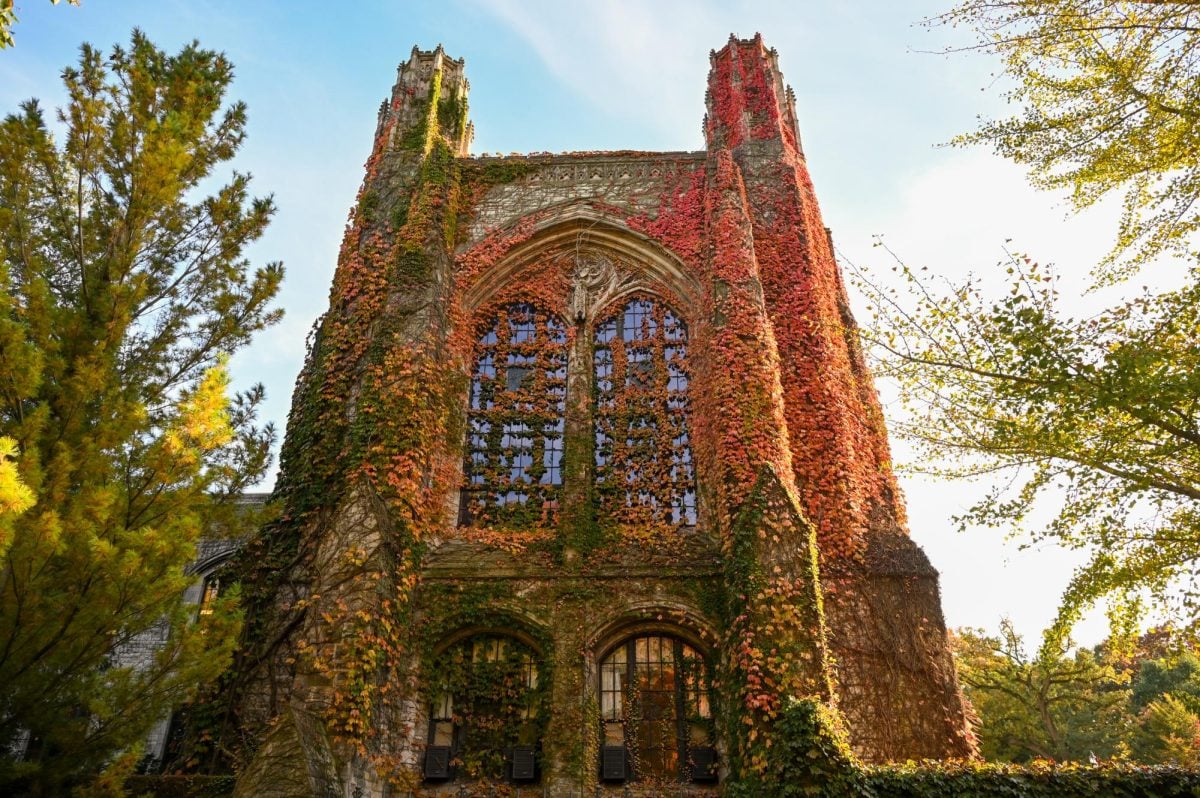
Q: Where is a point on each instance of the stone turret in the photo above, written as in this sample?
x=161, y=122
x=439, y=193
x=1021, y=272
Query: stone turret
x=895, y=679
x=430, y=85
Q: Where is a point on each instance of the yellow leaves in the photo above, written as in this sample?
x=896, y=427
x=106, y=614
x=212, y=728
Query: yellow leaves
x=203, y=420
x=15, y=495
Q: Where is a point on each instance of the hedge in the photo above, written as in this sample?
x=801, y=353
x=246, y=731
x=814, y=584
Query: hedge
x=813, y=759
x=194, y=786
x=1065, y=780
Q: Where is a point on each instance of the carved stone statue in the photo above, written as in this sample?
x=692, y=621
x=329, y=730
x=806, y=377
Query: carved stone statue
x=593, y=274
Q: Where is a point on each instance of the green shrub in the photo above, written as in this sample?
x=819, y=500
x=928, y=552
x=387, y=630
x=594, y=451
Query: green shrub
x=1036, y=780
x=809, y=756
x=193, y=786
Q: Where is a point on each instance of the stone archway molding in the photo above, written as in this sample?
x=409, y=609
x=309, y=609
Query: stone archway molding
x=666, y=616
x=579, y=225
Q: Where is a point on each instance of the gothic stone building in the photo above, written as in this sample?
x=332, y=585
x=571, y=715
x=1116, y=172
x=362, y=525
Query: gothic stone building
x=585, y=477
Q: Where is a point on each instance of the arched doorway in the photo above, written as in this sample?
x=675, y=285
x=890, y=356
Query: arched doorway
x=487, y=710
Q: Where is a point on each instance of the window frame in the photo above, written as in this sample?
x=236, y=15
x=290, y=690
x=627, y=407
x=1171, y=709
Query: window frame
x=495, y=645
x=545, y=363
x=680, y=700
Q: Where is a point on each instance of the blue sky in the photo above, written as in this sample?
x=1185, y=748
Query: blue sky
x=873, y=105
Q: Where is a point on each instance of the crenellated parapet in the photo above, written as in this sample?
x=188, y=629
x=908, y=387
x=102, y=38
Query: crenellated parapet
x=430, y=94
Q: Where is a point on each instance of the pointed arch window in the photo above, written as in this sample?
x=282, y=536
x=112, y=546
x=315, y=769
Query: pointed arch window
x=644, y=469
x=515, y=421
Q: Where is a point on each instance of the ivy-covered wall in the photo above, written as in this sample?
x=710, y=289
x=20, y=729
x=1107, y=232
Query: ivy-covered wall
x=363, y=593
x=571, y=616
x=895, y=680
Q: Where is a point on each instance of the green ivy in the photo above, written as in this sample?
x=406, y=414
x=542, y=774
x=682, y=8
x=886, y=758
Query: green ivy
x=180, y=786
x=490, y=697
x=1038, y=780
x=810, y=756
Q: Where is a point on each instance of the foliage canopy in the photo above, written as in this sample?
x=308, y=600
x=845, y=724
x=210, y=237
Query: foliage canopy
x=1109, y=92
x=8, y=18
x=122, y=291
x=1105, y=703
x=1096, y=414
x=1104, y=408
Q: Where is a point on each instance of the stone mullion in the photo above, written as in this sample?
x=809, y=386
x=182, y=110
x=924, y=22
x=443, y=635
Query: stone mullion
x=619, y=416
x=577, y=515
x=676, y=422
x=500, y=461
x=537, y=415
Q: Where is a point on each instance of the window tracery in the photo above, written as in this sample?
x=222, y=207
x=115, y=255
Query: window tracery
x=644, y=469
x=513, y=470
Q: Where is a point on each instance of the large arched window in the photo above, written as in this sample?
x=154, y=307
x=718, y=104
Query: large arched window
x=644, y=469
x=488, y=709
x=655, y=711
x=515, y=420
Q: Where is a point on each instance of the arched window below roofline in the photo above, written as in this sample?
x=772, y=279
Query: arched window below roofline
x=656, y=715
x=487, y=695
x=516, y=417
x=645, y=474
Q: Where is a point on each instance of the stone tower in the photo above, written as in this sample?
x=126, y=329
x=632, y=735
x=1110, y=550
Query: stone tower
x=584, y=476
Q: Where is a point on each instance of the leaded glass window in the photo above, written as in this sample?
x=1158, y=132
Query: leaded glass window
x=513, y=470
x=654, y=700
x=644, y=469
x=486, y=698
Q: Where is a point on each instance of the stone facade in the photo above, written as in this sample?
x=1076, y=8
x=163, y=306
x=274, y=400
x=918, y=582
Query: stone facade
x=655, y=613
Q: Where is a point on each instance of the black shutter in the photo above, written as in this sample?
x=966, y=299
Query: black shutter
x=703, y=762
x=437, y=762
x=613, y=765
x=524, y=763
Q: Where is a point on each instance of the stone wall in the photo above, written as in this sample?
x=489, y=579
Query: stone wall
x=572, y=616
x=632, y=182
x=367, y=574
x=895, y=678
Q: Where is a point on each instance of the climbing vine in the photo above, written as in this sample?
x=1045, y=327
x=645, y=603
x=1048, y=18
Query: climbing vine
x=488, y=695
x=441, y=369
x=516, y=416
x=645, y=478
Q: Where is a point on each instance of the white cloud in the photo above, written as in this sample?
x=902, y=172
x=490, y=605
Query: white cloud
x=625, y=57
x=961, y=214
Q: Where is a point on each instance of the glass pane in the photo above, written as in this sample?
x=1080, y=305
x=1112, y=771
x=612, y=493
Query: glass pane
x=443, y=707
x=666, y=704
x=643, y=457
x=443, y=732
x=610, y=706
x=490, y=702
x=513, y=463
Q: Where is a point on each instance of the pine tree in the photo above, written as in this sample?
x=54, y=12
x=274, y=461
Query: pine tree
x=123, y=288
